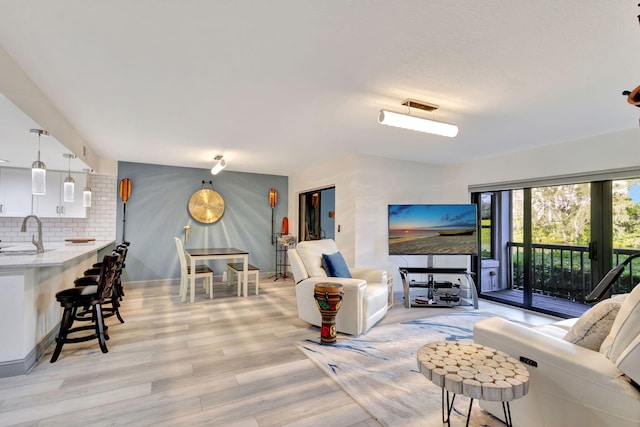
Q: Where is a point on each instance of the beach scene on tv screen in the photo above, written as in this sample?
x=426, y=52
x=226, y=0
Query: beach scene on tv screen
x=432, y=230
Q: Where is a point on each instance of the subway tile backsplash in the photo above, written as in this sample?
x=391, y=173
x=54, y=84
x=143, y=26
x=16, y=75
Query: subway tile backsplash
x=99, y=224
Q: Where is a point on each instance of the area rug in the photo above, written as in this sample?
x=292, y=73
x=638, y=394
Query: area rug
x=379, y=370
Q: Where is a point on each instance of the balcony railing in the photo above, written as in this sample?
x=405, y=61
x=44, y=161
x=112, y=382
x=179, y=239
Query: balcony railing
x=564, y=271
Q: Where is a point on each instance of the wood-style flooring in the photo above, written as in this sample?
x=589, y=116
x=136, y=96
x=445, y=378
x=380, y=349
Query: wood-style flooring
x=542, y=302
x=225, y=361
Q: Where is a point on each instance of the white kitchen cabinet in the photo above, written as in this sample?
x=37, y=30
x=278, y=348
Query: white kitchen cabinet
x=15, y=192
x=52, y=205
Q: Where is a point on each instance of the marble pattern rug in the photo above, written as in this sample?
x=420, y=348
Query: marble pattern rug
x=379, y=370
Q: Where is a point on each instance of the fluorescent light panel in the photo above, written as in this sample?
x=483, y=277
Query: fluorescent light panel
x=419, y=124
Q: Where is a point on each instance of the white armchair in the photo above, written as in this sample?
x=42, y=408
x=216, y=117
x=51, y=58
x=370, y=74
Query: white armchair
x=365, y=299
x=573, y=385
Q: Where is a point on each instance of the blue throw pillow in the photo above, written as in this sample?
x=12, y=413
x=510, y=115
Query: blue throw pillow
x=335, y=265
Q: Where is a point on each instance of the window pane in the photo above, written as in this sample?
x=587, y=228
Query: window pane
x=626, y=230
x=486, y=225
x=561, y=214
x=561, y=231
x=517, y=216
x=517, y=239
x=626, y=214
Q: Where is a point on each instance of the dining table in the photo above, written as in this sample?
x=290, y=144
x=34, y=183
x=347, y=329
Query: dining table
x=205, y=254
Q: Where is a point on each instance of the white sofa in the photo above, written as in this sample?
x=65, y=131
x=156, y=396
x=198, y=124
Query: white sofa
x=573, y=385
x=366, y=295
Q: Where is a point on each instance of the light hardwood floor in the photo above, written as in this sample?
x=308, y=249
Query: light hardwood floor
x=225, y=361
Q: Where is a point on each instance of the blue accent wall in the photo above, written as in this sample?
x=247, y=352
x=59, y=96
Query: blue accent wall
x=157, y=211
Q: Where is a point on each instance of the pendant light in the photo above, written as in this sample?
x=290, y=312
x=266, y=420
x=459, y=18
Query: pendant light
x=86, y=192
x=38, y=169
x=69, y=182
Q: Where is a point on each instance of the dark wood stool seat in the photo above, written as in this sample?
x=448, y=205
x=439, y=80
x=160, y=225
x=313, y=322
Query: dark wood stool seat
x=112, y=307
x=122, y=249
x=91, y=277
x=92, y=296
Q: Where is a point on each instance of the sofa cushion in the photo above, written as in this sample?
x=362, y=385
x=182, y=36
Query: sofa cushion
x=625, y=328
x=311, y=254
x=629, y=361
x=297, y=266
x=594, y=325
x=335, y=265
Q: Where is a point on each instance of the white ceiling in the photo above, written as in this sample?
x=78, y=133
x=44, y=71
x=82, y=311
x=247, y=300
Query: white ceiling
x=276, y=85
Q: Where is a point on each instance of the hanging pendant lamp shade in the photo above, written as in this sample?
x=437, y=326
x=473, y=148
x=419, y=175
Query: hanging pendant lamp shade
x=86, y=192
x=69, y=186
x=86, y=197
x=38, y=169
x=69, y=182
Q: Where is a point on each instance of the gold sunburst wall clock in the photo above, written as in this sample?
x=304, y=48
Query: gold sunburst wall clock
x=206, y=205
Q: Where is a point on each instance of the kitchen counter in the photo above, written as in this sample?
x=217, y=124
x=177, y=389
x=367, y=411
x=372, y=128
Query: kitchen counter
x=55, y=253
x=28, y=285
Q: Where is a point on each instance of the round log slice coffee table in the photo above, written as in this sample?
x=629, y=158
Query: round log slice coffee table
x=475, y=371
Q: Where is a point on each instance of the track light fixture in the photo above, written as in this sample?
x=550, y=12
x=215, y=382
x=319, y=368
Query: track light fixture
x=38, y=169
x=420, y=124
x=218, y=166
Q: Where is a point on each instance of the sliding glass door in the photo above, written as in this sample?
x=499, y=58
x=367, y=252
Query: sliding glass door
x=546, y=247
x=560, y=270
x=626, y=230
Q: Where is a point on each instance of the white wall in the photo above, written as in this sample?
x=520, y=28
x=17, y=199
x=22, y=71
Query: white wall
x=339, y=173
x=366, y=185
x=616, y=150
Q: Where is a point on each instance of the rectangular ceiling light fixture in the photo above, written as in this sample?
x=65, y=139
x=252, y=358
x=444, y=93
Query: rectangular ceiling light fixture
x=420, y=124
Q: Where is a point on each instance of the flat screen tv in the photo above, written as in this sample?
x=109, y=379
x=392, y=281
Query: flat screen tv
x=433, y=229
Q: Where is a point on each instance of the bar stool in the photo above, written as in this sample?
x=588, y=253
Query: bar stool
x=86, y=296
x=91, y=277
x=122, y=249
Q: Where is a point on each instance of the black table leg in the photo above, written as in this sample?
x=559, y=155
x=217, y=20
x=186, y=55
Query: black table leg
x=507, y=414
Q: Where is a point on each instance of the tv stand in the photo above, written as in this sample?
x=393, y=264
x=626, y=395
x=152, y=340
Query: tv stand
x=437, y=294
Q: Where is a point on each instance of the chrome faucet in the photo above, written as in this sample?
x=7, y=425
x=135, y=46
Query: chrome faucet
x=38, y=243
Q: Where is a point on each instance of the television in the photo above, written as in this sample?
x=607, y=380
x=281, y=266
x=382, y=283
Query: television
x=433, y=229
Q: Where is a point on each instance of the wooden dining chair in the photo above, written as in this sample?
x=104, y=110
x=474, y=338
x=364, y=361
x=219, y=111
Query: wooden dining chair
x=202, y=272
